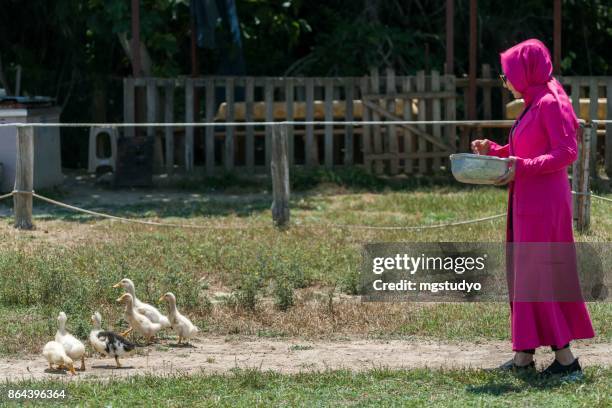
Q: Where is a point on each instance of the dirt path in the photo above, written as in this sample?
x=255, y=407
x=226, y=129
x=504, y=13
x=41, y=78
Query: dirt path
x=218, y=355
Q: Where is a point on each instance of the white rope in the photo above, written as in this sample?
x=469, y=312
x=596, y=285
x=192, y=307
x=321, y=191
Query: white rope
x=600, y=197
x=2, y=197
x=134, y=221
x=592, y=195
x=279, y=123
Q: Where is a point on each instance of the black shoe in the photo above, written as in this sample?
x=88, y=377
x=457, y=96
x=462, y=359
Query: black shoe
x=511, y=366
x=556, y=368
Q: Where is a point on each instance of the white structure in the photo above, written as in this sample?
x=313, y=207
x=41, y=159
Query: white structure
x=96, y=143
x=47, y=153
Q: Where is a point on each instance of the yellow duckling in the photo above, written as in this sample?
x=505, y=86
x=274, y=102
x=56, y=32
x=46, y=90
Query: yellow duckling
x=55, y=354
x=137, y=320
x=182, y=325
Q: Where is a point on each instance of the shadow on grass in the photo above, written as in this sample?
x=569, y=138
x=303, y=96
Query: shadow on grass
x=227, y=195
x=170, y=207
x=502, y=384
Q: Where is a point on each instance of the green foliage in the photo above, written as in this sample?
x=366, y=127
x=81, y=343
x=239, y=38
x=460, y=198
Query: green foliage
x=247, y=295
x=283, y=293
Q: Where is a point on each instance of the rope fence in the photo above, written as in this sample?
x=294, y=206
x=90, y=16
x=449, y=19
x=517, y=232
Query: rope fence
x=24, y=187
x=242, y=227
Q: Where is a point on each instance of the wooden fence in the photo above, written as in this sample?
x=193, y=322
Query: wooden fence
x=390, y=149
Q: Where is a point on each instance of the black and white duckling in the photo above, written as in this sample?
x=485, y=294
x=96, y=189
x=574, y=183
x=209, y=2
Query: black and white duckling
x=74, y=348
x=115, y=345
x=150, y=312
x=181, y=324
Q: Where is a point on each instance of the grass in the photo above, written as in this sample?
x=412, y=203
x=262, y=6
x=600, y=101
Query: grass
x=256, y=280
x=376, y=387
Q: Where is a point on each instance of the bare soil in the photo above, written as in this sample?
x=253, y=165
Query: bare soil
x=222, y=354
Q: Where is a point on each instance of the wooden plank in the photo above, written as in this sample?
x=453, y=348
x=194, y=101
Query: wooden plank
x=189, y=117
x=593, y=105
x=407, y=133
x=486, y=92
x=152, y=97
x=582, y=179
x=209, y=142
x=279, y=169
x=329, y=129
x=406, y=95
x=414, y=155
x=575, y=84
x=151, y=107
x=312, y=156
x=229, y=130
x=504, y=101
x=128, y=105
x=24, y=178
x=420, y=85
x=436, y=114
x=575, y=96
x=290, y=99
x=349, y=94
x=376, y=131
x=608, y=141
x=417, y=130
x=391, y=129
x=576, y=183
x=169, y=130
x=367, y=130
x=250, y=134
x=450, y=107
x=269, y=102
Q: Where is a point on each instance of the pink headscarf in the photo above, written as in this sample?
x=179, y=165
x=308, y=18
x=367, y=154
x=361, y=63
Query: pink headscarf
x=528, y=67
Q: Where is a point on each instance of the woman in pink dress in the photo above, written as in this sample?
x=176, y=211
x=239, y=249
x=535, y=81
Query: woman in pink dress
x=542, y=144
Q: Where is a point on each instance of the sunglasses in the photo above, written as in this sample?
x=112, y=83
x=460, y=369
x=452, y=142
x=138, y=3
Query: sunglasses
x=503, y=78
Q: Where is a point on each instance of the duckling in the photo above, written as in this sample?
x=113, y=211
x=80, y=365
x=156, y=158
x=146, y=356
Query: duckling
x=146, y=309
x=108, y=343
x=115, y=345
x=182, y=325
x=55, y=354
x=73, y=346
x=97, y=344
x=137, y=320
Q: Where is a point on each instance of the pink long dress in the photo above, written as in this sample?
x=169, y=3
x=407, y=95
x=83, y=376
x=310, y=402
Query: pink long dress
x=539, y=205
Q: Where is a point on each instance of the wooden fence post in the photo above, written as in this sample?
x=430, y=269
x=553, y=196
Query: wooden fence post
x=279, y=167
x=581, y=183
x=24, y=178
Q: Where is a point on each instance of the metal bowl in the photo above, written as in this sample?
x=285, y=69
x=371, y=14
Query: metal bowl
x=477, y=169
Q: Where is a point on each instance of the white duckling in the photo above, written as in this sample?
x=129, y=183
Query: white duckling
x=181, y=324
x=108, y=343
x=97, y=344
x=74, y=348
x=137, y=320
x=146, y=309
x=55, y=354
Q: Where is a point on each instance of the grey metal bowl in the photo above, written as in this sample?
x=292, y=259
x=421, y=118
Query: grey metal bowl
x=477, y=169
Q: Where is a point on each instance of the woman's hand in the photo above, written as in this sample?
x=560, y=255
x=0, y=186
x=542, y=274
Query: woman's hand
x=481, y=146
x=509, y=176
